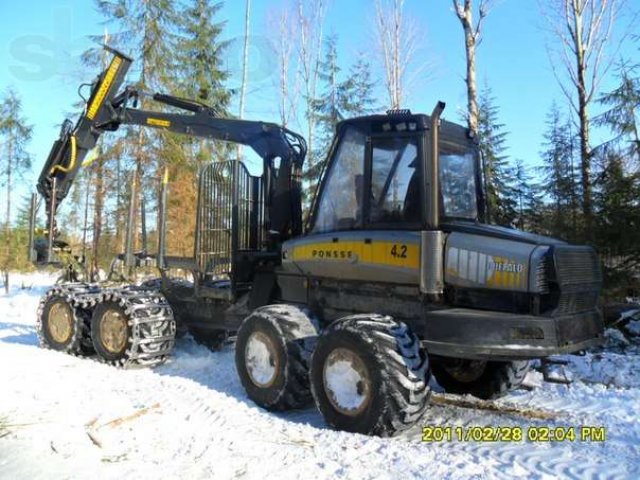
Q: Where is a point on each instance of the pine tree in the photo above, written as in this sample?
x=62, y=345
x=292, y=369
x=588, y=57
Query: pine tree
x=358, y=89
x=498, y=177
x=560, y=175
x=148, y=30
x=623, y=114
x=326, y=108
x=617, y=232
x=341, y=98
x=199, y=61
x=199, y=55
x=15, y=135
x=529, y=204
x=199, y=58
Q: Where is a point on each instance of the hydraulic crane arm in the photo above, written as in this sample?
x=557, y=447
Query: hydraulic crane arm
x=107, y=109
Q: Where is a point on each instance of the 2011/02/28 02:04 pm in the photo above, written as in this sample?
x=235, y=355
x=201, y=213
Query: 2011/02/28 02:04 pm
x=432, y=433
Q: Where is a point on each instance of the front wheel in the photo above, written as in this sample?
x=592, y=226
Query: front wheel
x=368, y=375
x=272, y=356
x=480, y=378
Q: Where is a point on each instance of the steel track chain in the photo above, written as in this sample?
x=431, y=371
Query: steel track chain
x=149, y=316
x=80, y=343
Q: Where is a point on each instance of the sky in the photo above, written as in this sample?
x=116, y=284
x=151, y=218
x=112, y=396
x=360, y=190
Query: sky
x=40, y=44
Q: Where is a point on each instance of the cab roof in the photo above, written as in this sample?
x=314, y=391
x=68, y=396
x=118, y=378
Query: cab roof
x=403, y=121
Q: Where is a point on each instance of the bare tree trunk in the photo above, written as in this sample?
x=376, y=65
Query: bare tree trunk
x=472, y=37
x=285, y=50
x=310, y=24
x=245, y=57
x=245, y=60
x=98, y=206
x=97, y=214
x=286, y=38
x=583, y=28
x=389, y=30
x=583, y=112
x=138, y=175
x=397, y=25
x=119, y=216
x=10, y=155
x=7, y=225
x=585, y=151
x=398, y=41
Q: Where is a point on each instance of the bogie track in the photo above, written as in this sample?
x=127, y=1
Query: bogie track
x=149, y=325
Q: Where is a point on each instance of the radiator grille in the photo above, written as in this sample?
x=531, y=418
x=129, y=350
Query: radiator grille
x=578, y=277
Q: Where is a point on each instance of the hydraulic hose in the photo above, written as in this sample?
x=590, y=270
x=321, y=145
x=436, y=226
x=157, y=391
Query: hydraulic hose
x=72, y=161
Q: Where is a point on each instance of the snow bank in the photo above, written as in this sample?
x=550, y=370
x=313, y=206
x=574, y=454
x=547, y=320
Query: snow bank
x=68, y=417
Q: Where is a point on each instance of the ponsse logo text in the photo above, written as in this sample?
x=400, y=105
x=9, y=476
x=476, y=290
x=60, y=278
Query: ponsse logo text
x=332, y=254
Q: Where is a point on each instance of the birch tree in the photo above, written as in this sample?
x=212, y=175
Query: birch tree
x=583, y=29
x=286, y=27
x=472, y=37
x=245, y=58
x=245, y=65
x=398, y=45
x=310, y=22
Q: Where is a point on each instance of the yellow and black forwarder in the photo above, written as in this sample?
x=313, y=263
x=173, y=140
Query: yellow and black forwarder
x=394, y=277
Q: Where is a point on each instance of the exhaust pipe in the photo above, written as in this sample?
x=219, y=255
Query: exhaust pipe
x=432, y=239
x=433, y=205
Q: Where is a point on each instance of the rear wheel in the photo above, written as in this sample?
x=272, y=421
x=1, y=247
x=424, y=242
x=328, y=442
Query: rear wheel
x=272, y=356
x=480, y=378
x=368, y=375
x=111, y=332
x=61, y=325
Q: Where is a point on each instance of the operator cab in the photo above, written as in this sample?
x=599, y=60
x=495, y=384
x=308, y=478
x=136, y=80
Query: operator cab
x=375, y=201
x=374, y=178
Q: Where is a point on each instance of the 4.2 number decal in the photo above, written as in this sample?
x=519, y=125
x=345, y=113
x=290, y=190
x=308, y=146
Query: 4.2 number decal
x=399, y=251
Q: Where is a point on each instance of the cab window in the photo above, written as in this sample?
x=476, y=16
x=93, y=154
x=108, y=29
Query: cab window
x=458, y=182
x=395, y=181
x=340, y=205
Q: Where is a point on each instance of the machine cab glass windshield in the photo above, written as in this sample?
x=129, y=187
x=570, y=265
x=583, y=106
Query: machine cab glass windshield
x=393, y=183
x=458, y=182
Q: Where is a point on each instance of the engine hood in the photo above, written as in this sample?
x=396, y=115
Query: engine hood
x=502, y=233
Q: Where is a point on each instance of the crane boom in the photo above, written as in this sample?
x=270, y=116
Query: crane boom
x=108, y=108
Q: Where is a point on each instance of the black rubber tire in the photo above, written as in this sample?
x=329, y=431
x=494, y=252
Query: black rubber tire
x=398, y=370
x=77, y=342
x=119, y=358
x=293, y=333
x=497, y=378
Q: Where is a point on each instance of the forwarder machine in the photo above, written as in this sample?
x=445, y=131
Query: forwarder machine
x=393, y=278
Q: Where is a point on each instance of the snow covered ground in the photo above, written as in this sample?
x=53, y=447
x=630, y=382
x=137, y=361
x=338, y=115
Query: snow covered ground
x=68, y=417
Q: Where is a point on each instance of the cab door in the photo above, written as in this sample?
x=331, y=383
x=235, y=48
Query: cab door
x=368, y=214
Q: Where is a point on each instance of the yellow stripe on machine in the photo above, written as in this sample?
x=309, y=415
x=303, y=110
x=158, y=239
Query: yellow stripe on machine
x=104, y=88
x=157, y=122
x=393, y=254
